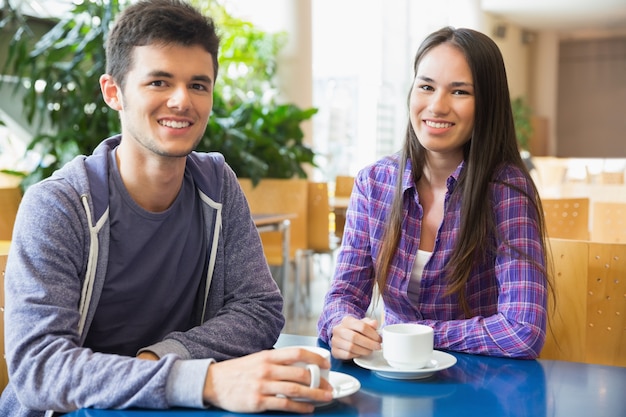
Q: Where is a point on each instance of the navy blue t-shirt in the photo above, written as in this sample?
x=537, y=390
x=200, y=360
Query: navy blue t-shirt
x=156, y=272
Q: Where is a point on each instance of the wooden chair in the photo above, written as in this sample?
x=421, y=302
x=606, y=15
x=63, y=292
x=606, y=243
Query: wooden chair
x=611, y=177
x=588, y=321
x=319, y=241
x=343, y=188
x=343, y=185
x=565, y=335
x=318, y=222
x=608, y=222
x=273, y=196
x=286, y=196
x=606, y=304
x=4, y=375
x=10, y=199
x=567, y=218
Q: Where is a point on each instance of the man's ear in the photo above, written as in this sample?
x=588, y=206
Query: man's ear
x=111, y=92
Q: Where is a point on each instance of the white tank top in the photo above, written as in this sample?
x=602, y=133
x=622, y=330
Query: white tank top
x=416, y=274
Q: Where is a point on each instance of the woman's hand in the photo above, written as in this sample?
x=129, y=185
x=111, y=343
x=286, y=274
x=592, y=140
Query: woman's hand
x=266, y=381
x=353, y=338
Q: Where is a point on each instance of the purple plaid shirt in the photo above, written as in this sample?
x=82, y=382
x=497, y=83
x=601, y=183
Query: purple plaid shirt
x=507, y=294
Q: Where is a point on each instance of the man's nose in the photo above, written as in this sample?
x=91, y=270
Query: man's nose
x=179, y=99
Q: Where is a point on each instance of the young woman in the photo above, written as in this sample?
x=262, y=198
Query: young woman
x=451, y=229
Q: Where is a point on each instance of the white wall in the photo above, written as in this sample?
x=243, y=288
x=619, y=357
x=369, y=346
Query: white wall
x=544, y=82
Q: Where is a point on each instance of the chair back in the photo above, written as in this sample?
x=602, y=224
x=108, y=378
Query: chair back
x=606, y=304
x=610, y=177
x=272, y=196
x=10, y=199
x=343, y=188
x=608, y=222
x=318, y=222
x=566, y=332
x=4, y=375
x=343, y=185
x=588, y=321
x=567, y=218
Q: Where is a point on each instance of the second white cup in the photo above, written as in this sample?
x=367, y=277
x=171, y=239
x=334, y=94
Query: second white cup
x=408, y=345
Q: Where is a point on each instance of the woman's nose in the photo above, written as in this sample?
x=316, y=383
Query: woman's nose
x=439, y=103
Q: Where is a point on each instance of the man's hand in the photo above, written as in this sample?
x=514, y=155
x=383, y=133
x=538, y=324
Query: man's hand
x=266, y=381
x=353, y=338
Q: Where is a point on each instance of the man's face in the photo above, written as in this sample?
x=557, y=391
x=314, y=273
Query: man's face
x=167, y=98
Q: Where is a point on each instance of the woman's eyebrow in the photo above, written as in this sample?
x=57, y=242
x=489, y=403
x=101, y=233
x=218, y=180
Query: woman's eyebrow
x=452, y=84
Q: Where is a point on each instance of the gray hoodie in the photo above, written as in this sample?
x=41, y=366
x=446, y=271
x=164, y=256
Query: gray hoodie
x=55, y=274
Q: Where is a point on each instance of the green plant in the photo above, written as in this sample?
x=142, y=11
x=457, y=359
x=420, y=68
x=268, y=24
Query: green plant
x=258, y=136
x=67, y=110
x=523, y=125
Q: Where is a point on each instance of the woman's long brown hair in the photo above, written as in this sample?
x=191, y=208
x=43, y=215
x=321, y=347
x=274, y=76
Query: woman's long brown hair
x=493, y=143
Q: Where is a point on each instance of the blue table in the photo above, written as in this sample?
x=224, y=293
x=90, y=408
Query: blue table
x=474, y=386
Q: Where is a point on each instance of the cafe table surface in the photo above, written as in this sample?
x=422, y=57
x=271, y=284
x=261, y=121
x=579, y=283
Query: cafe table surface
x=474, y=386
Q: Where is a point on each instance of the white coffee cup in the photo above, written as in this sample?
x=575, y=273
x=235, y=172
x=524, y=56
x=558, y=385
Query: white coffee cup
x=324, y=353
x=314, y=370
x=407, y=345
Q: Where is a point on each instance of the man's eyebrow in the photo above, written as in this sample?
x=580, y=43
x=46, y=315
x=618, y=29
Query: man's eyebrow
x=204, y=78
x=159, y=73
x=165, y=74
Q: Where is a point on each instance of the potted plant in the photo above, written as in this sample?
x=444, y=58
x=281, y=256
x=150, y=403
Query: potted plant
x=522, y=114
x=258, y=136
x=68, y=114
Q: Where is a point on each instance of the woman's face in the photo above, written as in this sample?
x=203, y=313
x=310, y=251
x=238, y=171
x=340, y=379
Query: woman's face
x=442, y=102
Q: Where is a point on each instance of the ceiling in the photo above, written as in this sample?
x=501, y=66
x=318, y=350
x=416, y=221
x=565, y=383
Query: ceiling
x=567, y=17
x=564, y=16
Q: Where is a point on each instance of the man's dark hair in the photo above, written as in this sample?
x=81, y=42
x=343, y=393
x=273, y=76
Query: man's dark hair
x=162, y=22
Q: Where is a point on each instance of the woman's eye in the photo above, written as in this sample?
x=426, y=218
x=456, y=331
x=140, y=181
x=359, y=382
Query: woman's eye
x=426, y=87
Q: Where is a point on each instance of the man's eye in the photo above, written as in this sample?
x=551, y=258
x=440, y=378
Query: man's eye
x=199, y=87
x=157, y=83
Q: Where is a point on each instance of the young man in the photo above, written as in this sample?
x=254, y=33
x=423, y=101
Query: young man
x=136, y=276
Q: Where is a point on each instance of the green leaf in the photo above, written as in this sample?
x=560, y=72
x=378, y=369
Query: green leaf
x=258, y=136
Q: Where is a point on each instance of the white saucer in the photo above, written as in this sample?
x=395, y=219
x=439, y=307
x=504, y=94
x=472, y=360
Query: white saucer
x=375, y=362
x=343, y=385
